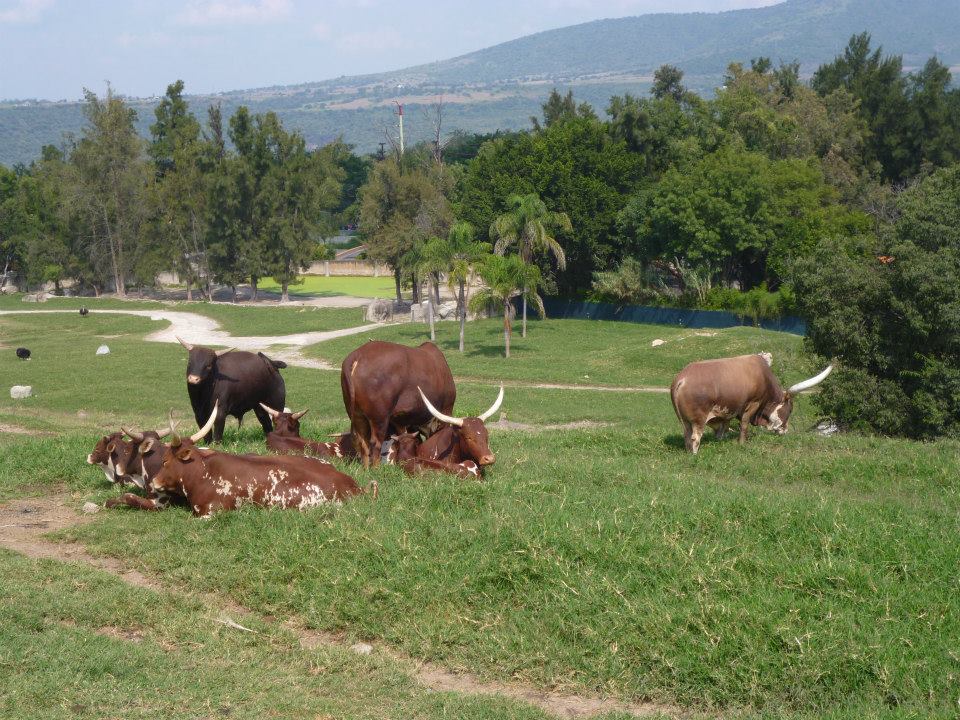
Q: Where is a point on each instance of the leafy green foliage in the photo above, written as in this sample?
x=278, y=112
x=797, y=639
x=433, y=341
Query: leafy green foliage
x=889, y=314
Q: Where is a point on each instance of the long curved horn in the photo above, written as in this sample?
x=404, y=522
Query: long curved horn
x=201, y=433
x=135, y=435
x=812, y=382
x=298, y=415
x=496, y=405
x=173, y=424
x=221, y=353
x=439, y=415
x=187, y=345
x=270, y=411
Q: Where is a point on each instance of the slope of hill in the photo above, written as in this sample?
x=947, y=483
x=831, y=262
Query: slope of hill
x=501, y=86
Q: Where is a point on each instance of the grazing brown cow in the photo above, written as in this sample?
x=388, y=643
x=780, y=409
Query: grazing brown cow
x=105, y=454
x=403, y=452
x=379, y=381
x=285, y=437
x=714, y=392
x=238, y=381
x=212, y=481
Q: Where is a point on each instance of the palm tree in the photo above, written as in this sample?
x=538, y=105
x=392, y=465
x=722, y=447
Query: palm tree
x=434, y=258
x=527, y=224
x=505, y=278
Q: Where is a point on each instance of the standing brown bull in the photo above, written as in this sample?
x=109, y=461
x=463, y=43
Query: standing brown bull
x=379, y=381
x=714, y=392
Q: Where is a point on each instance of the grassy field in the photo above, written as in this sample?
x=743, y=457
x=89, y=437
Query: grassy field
x=799, y=576
x=321, y=286
x=240, y=319
x=584, y=352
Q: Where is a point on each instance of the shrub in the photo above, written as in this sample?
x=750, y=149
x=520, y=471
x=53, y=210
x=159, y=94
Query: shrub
x=889, y=311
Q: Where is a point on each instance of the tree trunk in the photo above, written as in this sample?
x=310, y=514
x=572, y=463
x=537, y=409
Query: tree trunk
x=416, y=290
x=254, y=280
x=462, y=309
x=396, y=280
x=523, y=332
x=433, y=335
x=436, y=289
x=285, y=291
x=189, y=291
x=234, y=289
x=506, y=328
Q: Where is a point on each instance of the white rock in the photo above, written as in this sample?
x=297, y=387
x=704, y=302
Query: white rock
x=658, y=343
x=827, y=428
x=103, y=350
x=362, y=648
x=18, y=392
x=447, y=310
x=90, y=508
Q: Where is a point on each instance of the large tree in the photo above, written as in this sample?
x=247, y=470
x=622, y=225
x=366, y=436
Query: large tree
x=527, y=226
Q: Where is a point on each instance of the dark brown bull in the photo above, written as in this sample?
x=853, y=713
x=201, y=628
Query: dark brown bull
x=285, y=437
x=714, y=392
x=404, y=452
x=211, y=481
x=239, y=381
x=105, y=454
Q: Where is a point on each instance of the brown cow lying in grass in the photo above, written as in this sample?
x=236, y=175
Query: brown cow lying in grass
x=210, y=481
x=106, y=453
x=404, y=452
x=285, y=438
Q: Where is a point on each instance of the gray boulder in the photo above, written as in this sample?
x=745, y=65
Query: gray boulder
x=18, y=392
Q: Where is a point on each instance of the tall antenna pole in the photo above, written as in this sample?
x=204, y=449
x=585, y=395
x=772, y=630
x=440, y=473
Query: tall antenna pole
x=400, y=114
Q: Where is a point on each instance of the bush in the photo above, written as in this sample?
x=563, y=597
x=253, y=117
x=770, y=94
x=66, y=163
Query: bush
x=890, y=313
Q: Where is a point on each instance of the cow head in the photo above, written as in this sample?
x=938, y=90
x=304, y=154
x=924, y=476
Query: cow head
x=105, y=454
x=201, y=362
x=472, y=432
x=775, y=416
x=285, y=423
x=143, y=455
x=403, y=447
x=182, y=459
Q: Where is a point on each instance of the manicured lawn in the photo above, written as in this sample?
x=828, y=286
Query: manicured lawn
x=322, y=286
x=799, y=576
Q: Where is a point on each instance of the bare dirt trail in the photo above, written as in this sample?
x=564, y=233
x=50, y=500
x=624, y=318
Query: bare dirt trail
x=201, y=330
x=25, y=522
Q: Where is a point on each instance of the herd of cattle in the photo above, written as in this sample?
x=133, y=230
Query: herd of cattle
x=391, y=393
x=399, y=401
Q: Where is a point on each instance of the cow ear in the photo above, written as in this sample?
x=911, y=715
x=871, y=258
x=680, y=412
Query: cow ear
x=111, y=446
x=146, y=446
x=184, y=454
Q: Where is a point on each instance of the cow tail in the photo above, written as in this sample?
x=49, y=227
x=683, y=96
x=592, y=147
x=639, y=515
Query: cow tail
x=374, y=489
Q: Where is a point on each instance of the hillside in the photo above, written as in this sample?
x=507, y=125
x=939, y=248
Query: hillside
x=501, y=86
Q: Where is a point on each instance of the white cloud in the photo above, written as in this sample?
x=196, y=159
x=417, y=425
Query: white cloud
x=24, y=11
x=320, y=30
x=221, y=12
x=144, y=40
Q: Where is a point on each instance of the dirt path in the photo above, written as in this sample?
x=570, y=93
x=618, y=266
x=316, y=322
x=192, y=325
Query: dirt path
x=201, y=330
x=24, y=522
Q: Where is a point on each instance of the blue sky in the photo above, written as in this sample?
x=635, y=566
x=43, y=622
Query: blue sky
x=52, y=49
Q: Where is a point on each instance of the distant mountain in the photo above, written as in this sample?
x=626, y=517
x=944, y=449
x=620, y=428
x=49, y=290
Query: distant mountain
x=501, y=86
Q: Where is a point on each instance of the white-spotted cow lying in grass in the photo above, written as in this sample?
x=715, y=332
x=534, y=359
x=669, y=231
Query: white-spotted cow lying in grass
x=211, y=481
x=285, y=438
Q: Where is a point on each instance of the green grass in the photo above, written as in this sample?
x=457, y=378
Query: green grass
x=322, y=286
x=585, y=352
x=798, y=576
x=81, y=643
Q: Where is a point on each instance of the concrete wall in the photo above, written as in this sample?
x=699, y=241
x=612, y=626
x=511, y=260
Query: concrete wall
x=347, y=267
